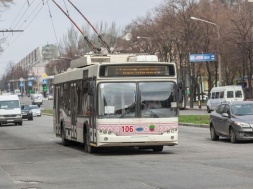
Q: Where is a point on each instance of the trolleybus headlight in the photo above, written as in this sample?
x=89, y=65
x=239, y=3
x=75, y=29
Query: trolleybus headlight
x=109, y=132
x=104, y=131
x=105, y=139
x=100, y=131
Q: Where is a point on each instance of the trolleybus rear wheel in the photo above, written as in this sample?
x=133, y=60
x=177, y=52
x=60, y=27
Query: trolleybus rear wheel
x=158, y=148
x=65, y=142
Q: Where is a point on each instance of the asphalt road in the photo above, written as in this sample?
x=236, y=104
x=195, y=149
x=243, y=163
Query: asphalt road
x=31, y=157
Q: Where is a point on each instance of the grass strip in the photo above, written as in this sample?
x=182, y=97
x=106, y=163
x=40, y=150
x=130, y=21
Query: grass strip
x=47, y=111
x=196, y=119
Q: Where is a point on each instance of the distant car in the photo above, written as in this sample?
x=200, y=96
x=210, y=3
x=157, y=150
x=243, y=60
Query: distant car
x=26, y=112
x=50, y=97
x=204, y=97
x=36, y=111
x=233, y=120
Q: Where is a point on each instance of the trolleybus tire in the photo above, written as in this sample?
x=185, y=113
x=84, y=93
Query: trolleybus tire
x=87, y=147
x=158, y=148
x=65, y=142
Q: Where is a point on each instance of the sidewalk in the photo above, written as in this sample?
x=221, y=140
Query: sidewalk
x=196, y=107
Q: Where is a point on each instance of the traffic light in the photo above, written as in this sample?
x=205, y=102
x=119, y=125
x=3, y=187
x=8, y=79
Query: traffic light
x=44, y=88
x=30, y=90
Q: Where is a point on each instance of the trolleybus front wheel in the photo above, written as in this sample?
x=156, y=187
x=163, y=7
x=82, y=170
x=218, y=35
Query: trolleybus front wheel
x=87, y=147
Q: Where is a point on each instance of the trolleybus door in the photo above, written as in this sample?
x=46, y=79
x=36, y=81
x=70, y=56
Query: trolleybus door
x=57, y=111
x=92, y=107
x=73, y=110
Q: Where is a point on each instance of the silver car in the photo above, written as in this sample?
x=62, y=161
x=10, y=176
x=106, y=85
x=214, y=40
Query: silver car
x=36, y=111
x=233, y=120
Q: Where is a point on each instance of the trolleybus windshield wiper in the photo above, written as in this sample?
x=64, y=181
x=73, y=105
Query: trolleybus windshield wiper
x=152, y=113
x=129, y=110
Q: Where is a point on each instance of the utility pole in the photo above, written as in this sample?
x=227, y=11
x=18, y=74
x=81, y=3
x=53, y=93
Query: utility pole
x=3, y=31
x=11, y=31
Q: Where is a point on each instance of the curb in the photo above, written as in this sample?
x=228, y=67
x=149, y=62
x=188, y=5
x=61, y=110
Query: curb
x=196, y=109
x=194, y=125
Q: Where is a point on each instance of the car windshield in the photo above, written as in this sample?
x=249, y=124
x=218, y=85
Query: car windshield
x=242, y=109
x=34, y=107
x=9, y=104
x=25, y=107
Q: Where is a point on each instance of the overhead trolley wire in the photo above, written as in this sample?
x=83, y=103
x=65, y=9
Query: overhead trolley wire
x=96, y=50
x=18, y=20
x=71, y=22
x=50, y=15
x=28, y=23
x=99, y=35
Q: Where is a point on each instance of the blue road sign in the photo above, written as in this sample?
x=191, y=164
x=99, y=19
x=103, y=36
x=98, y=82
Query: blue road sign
x=21, y=84
x=44, y=81
x=202, y=57
x=30, y=83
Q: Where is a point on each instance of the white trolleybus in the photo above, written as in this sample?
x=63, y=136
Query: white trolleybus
x=108, y=101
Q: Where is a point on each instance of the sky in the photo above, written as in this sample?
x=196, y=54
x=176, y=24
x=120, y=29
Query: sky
x=39, y=29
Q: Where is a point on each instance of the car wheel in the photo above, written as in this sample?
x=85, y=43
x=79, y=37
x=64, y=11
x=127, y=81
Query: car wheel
x=213, y=134
x=232, y=135
x=208, y=110
x=158, y=149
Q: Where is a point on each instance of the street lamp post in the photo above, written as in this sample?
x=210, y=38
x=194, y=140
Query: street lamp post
x=219, y=56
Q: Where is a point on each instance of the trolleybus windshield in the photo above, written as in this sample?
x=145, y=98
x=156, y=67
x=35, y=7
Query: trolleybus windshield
x=130, y=100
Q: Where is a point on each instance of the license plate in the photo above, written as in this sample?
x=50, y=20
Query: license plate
x=10, y=120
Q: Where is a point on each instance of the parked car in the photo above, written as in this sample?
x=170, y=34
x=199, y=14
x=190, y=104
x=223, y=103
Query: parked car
x=36, y=111
x=205, y=97
x=224, y=94
x=233, y=120
x=50, y=97
x=26, y=112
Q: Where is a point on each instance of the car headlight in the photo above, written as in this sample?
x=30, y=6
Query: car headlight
x=242, y=124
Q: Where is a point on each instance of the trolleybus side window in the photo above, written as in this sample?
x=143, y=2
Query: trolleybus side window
x=66, y=97
x=79, y=97
x=85, y=97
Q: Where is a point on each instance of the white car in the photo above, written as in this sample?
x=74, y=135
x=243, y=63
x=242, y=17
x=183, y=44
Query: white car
x=36, y=111
x=204, y=97
x=50, y=97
